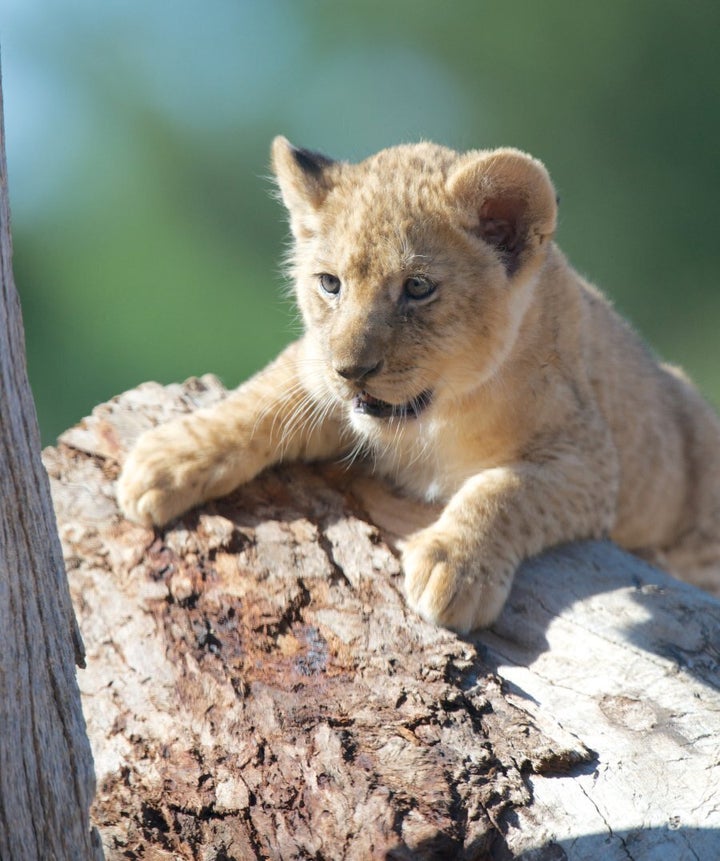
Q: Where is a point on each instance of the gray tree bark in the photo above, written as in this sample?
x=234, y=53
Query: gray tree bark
x=46, y=769
x=257, y=688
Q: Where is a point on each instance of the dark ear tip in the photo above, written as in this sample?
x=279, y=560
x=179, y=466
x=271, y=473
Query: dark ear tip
x=309, y=161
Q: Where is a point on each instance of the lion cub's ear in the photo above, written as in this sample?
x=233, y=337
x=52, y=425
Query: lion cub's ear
x=304, y=178
x=507, y=199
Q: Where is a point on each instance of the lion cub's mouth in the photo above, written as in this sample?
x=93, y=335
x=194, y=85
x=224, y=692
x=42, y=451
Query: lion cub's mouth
x=368, y=405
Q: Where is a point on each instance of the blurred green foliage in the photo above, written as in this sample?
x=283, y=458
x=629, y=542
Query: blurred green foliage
x=147, y=245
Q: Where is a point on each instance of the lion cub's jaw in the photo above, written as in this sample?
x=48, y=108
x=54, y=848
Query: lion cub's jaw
x=413, y=272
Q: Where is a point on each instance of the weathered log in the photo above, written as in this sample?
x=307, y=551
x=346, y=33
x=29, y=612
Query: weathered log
x=46, y=774
x=257, y=688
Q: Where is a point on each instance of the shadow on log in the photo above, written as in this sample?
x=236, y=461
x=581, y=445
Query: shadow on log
x=257, y=688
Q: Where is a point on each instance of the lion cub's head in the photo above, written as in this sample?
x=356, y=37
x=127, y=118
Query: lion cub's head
x=413, y=269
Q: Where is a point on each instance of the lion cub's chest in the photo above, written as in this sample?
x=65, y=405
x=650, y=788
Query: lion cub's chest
x=428, y=462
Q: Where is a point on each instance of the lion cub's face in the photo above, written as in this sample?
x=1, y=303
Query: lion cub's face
x=413, y=271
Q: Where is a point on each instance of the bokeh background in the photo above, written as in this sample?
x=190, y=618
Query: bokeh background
x=146, y=238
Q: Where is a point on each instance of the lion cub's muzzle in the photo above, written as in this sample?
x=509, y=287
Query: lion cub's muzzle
x=357, y=374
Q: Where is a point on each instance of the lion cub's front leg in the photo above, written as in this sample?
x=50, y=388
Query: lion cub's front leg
x=208, y=453
x=459, y=570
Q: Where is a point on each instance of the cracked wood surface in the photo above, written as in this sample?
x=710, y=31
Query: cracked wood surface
x=257, y=688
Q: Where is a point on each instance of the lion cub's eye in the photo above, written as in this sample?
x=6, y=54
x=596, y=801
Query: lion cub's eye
x=329, y=283
x=418, y=287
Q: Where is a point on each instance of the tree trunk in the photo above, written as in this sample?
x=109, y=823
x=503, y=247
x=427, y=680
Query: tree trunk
x=257, y=688
x=46, y=773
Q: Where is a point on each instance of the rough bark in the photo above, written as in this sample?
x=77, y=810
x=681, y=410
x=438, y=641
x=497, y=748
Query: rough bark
x=256, y=687
x=46, y=774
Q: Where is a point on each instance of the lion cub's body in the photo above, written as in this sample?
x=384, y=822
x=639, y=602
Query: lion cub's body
x=448, y=339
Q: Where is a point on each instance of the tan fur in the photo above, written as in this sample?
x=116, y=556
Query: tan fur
x=548, y=420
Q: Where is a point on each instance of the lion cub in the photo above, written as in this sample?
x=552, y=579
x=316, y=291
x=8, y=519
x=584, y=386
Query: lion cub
x=447, y=338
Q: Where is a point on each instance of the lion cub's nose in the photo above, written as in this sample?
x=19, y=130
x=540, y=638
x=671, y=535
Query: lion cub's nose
x=356, y=373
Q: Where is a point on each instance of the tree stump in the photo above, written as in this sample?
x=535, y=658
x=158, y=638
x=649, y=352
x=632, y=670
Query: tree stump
x=256, y=687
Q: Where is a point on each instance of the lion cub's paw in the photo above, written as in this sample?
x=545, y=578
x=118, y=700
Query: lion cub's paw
x=165, y=474
x=448, y=584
